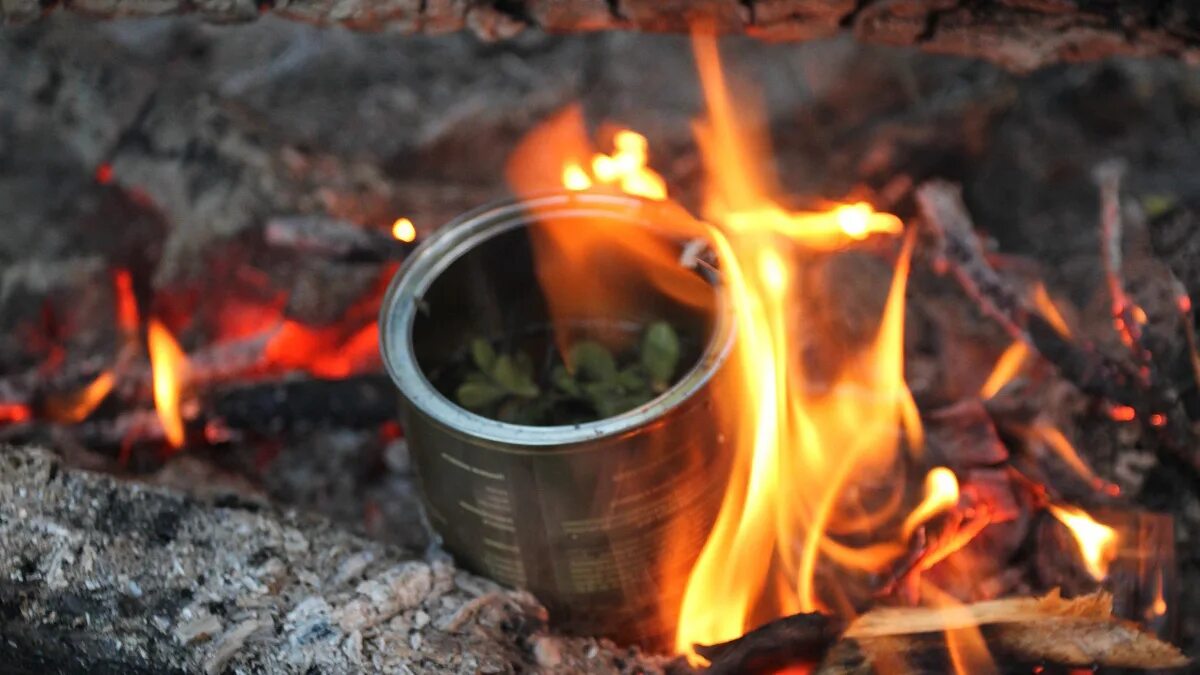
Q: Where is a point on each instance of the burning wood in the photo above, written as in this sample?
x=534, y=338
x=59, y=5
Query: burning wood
x=1016, y=632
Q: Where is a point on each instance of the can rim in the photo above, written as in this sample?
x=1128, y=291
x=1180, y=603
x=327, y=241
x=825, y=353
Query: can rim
x=453, y=240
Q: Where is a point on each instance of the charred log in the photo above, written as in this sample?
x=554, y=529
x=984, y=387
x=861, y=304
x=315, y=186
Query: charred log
x=1018, y=34
x=774, y=646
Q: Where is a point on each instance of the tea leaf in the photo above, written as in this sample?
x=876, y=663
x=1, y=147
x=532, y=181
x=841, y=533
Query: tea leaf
x=478, y=395
x=592, y=361
x=509, y=375
x=660, y=353
x=483, y=354
x=633, y=379
x=563, y=381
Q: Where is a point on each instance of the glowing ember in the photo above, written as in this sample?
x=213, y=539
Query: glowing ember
x=14, y=413
x=404, y=230
x=1097, y=542
x=1006, y=368
x=1122, y=413
x=127, y=309
x=170, y=371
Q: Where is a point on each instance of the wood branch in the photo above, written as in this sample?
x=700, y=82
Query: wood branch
x=1018, y=632
x=1154, y=400
x=1019, y=34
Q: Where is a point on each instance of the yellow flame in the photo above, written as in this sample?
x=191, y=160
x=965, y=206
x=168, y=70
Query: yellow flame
x=941, y=494
x=170, y=367
x=1006, y=368
x=806, y=439
x=404, y=230
x=1097, y=542
x=625, y=169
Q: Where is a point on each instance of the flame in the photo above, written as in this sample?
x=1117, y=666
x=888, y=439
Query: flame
x=625, y=169
x=1058, y=442
x=967, y=649
x=808, y=437
x=941, y=493
x=1097, y=542
x=77, y=406
x=170, y=367
x=1006, y=368
x=1049, y=311
x=404, y=230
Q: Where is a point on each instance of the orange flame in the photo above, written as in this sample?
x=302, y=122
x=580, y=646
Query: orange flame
x=1097, y=542
x=1006, y=368
x=941, y=493
x=170, y=367
x=77, y=406
x=1049, y=311
x=404, y=230
x=807, y=439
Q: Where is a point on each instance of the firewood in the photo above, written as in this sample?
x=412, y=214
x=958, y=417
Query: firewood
x=1019, y=632
x=1021, y=35
x=773, y=646
x=333, y=239
x=1154, y=400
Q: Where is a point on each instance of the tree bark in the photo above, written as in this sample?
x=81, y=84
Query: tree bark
x=1018, y=34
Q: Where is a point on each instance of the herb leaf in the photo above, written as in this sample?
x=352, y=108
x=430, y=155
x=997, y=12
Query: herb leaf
x=660, y=354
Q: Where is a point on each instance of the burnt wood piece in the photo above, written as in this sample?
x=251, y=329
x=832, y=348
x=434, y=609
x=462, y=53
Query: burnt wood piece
x=1018, y=34
x=773, y=646
x=277, y=407
x=1153, y=398
x=103, y=576
x=333, y=239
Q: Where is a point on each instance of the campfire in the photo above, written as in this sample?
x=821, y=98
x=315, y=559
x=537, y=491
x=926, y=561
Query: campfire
x=688, y=408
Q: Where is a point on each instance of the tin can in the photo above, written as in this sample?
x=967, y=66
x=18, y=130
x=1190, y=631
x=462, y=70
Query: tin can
x=603, y=520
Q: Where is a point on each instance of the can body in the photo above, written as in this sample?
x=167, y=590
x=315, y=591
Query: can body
x=601, y=521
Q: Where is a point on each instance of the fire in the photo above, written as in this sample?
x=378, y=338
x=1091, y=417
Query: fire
x=76, y=407
x=1097, y=542
x=941, y=493
x=170, y=371
x=624, y=169
x=1006, y=368
x=127, y=309
x=809, y=438
x=1049, y=311
x=14, y=413
x=404, y=230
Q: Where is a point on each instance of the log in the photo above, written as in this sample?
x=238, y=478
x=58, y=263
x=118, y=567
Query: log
x=102, y=576
x=1018, y=633
x=1018, y=34
x=774, y=646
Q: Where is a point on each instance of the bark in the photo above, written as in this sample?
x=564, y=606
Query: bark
x=1019, y=34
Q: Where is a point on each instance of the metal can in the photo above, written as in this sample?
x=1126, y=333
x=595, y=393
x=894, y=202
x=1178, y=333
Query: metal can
x=603, y=520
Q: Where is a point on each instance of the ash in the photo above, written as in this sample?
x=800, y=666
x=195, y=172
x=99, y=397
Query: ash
x=103, y=576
